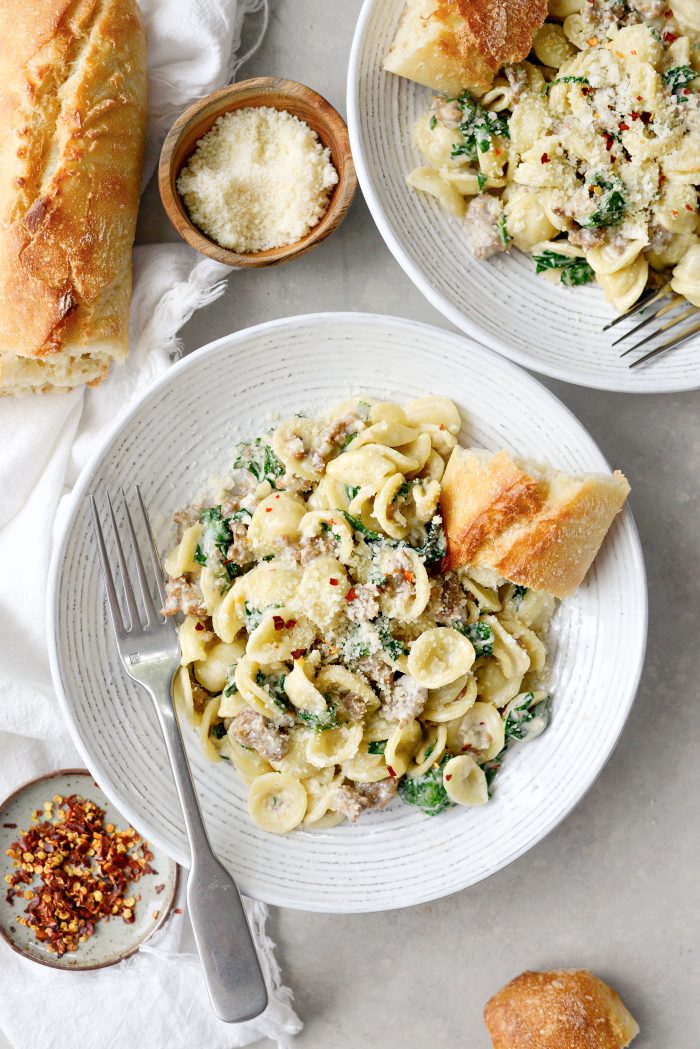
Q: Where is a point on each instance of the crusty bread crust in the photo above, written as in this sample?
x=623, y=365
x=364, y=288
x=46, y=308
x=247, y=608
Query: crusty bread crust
x=72, y=130
x=450, y=45
x=563, y=1009
x=535, y=526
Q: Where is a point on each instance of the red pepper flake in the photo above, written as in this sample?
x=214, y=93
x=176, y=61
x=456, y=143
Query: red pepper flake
x=640, y=98
x=689, y=207
x=199, y=626
x=351, y=594
x=608, y=141
x=297, y=653
x=177, y=910
x=333, y=581
x=646, y=118
x=662, y=178
x=544, y=159
x=391, y=772
x=623, y=127
x=277, y=497
x=268, y=509
x=278, y=622
x=442, y=426
x=668, y=14
x=290, y=623
x=74, y=869
x=448, y=776
x=633, y=52
x=669, y=37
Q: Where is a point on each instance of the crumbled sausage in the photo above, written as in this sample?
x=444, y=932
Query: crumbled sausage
x=660, y=238
x=447, y=602
x=251, y=729
x=447, y=111
x=377, y=673
x=588, y=238
x=183, y=519
x=336, y=433
x=352, y=799
x=353, y=704
x=517, y=78
x=406, y=701
x=481, y=228
x=183, y=595
x=240, y=551
x=313, y=546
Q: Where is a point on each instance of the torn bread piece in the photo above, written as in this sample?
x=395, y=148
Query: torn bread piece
x=536, y=526
x=569, y=1008
x=450, y=45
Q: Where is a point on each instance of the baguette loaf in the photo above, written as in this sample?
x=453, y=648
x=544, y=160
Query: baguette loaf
x=72, y=129
x=534, y=525
x=450, y=45
x=565, y=1009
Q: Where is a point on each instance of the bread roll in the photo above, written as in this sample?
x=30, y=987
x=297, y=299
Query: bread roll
x=534, y=525
x=450, y=45
x=72, y=129
x=564, y=1009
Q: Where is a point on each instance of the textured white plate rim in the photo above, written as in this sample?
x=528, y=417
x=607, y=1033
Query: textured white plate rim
x=196, y=359
x=434, y=297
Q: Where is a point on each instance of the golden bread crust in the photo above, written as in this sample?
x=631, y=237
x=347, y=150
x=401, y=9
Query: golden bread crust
x=72, y=131
x=450, y=45
x=563, y=1009
x=535, y=526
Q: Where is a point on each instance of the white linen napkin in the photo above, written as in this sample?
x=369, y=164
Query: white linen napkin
x=157, y=997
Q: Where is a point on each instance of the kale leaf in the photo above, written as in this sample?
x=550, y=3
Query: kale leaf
x=679, y=77
x=478, y=128
x=572, y=271
x=481, y=636
x=260, y=460
x=426, y=792
x=320, y=722
x=377, y=746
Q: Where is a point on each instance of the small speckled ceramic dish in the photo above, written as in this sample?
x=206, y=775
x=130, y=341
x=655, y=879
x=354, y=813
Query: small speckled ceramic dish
x=112, y=940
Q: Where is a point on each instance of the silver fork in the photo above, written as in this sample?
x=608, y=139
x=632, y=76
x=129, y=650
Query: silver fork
x=150, y=652
x=663, y=309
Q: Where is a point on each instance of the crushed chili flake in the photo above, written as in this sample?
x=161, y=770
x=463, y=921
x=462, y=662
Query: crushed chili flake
x=290, y=623
x=634, y=115
x=689, y=207
x=448, y=776
x=668, y=14
x=199, y=626
x=177, y=910
x=623, y=127
x=608, y=141
x=268, y=509
x=351, y=594
x=83, y=871
x=544, y=159
x=669, y=37
x=391, y=772
x=333, y=581
x=278, y=622
x=297, y=653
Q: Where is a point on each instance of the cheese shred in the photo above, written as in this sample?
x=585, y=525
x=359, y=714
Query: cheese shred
x=259, y=179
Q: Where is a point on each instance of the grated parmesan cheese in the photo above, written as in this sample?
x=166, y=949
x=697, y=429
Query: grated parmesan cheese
x=259, y=179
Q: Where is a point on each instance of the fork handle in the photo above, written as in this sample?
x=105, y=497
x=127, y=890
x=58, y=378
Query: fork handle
x=229, y=959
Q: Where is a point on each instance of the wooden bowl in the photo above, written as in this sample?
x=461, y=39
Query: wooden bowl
x=287, y=95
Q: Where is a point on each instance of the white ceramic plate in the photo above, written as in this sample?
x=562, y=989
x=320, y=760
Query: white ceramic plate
x=185, y=428
x=500, y=302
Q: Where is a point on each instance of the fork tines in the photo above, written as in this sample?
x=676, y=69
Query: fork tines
x=666, y=303
x=140, y=608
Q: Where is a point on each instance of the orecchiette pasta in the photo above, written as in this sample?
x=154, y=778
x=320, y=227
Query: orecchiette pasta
x=324, y=653
x=587, y=156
